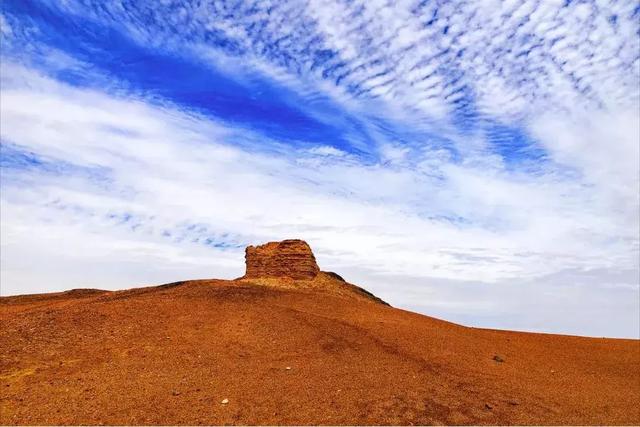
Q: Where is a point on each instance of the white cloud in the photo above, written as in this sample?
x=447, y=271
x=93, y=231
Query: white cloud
x=135, y=184
x=512, y=58
x=326, y=150
x=151, y=170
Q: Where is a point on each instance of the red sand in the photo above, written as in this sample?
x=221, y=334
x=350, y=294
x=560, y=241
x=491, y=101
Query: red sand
x=170, y=355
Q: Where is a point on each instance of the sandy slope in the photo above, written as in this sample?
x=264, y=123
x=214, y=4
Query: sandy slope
x=171, y=354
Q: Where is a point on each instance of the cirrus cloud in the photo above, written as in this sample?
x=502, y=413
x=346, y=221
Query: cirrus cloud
x=461, y=160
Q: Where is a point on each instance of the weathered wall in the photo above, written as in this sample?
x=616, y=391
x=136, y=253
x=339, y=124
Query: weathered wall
x=289, y=258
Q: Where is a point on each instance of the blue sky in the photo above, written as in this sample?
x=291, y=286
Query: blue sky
x=476, y=161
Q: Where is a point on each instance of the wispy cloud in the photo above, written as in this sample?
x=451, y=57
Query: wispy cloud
x=459, y=159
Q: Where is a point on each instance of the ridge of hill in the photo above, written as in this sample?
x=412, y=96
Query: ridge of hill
x=292, y=350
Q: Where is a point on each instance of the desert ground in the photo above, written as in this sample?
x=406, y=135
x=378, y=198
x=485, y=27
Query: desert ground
x=172, y=354
x=290, y=344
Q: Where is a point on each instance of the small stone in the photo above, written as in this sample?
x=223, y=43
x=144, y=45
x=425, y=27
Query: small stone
x=498, y=359
x=513, y=402
x=488, y=406
x=175, y=393
x=288, y=368
x=225, y=401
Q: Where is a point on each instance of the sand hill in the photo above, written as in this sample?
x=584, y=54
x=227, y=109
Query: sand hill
x=290, y=344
